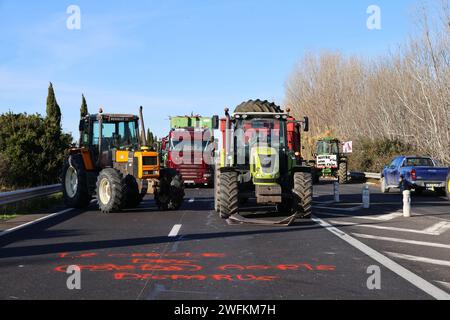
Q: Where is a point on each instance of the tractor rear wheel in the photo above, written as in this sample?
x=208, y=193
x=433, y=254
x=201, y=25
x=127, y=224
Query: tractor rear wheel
x=343, y=173
x=229, y=194
x=75, y=183
x=170, y=195
x=302, y=195
x=258, y=106
x=110, y=190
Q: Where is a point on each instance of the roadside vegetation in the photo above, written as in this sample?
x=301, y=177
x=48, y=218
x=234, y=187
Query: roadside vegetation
x=32, y=147
x=33, y=206
x=393, y=104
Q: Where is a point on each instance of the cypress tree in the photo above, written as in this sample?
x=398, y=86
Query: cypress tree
x=53, y=110
x=84, y=108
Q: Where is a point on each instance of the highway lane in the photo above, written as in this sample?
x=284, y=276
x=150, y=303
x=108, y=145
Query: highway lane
x=130, y=255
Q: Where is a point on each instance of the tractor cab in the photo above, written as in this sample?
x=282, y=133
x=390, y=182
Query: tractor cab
x=115, y=138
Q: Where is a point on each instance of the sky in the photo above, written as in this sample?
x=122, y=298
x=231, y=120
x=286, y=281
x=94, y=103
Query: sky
x=175, y=57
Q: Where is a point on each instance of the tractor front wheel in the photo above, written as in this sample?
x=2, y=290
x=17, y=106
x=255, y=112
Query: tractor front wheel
x=75, y=184
x=302, y=195
x=343, y=173
x=229, y=194
x=111, y=190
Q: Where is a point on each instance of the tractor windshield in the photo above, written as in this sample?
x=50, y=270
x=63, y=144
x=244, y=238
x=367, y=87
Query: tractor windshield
x=261, y=132
x=116, y=135
x=258, y=132
x=327, y=147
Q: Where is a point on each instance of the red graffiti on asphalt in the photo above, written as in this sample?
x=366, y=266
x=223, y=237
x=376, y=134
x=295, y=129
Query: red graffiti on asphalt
x=183, y=266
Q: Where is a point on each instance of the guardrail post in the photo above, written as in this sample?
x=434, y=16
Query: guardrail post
x=366, y=197
x=407, y=203
x=337, y=197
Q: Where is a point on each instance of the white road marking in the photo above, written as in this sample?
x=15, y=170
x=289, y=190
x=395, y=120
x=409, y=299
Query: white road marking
x=174, y=232
x=419, y=243
x=419, y=259
x=426, y=232
x=409, y=276
x=440, y=227
x=22, y=226
x=386, y=217
x=353, y=209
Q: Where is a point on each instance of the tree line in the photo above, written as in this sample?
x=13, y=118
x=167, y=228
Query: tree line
x=396, y=103
x=33, y=147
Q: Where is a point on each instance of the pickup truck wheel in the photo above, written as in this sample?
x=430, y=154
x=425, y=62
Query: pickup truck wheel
x=384, y=188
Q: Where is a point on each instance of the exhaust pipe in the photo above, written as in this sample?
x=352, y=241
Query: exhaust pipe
x=143, y=136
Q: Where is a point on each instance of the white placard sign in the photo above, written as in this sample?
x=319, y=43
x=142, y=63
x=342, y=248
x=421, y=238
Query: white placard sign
x=348, y=147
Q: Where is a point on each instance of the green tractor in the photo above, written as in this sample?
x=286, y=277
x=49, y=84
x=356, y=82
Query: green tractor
x=261, y=159
x=330, y=161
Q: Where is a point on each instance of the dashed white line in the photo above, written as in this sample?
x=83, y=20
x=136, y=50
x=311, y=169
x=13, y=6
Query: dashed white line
x=419, y=259
x=414, y=242
x=409, y=276
x=174, y=232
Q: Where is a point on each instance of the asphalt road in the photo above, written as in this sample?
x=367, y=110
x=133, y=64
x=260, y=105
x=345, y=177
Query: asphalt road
x=193, y=254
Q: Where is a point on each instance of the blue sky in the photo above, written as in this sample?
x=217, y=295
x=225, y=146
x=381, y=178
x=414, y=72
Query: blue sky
x=175, y=57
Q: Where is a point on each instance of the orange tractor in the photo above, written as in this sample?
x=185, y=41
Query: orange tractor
x=114, y=165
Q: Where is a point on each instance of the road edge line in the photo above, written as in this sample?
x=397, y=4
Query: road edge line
x=409, y=276
x=30, y=223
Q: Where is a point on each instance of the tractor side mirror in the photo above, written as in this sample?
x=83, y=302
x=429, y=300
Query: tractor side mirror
x=306, y=124
x=215, y=122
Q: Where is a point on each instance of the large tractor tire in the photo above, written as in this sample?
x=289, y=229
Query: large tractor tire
x=302, y=195
x=258, y=106
x=217, y=189
x=343, y=173
x=75, y=183
x=133, y=197
x=110, y=190
x=229, y=194
x=170, y=195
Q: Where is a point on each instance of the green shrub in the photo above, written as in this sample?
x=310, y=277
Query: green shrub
x=374, y=155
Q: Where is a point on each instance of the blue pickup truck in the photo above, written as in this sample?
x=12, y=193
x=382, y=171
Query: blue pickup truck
x=414, y=173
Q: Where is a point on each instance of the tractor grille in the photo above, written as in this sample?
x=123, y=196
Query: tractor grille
x=190, y=172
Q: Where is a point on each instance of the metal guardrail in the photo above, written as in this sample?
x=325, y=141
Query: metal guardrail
x=364, y=175
x=27, y=194
x=370, y=175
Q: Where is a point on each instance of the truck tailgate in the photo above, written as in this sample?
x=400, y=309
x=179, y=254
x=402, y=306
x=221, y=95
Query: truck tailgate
x=431, y=174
